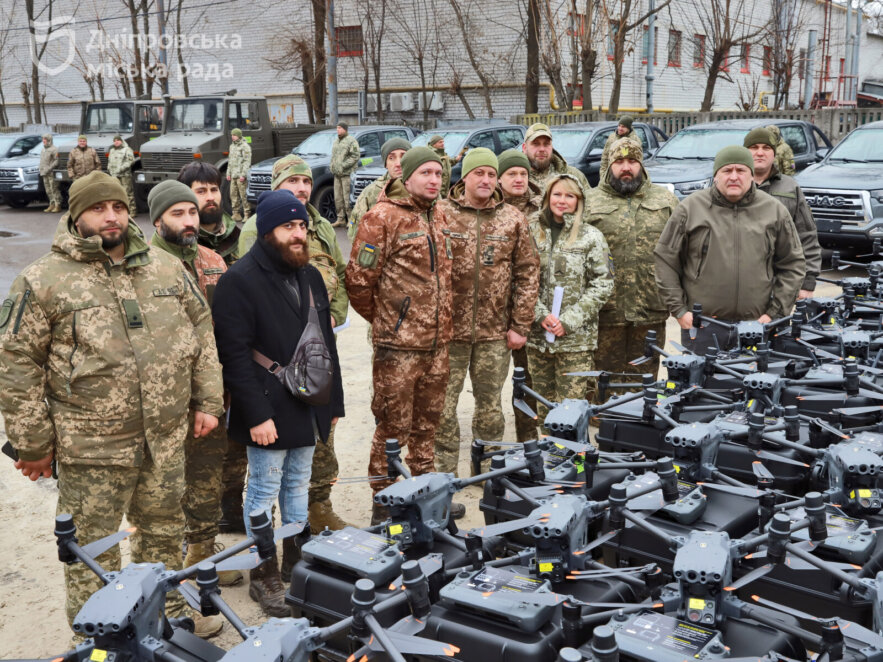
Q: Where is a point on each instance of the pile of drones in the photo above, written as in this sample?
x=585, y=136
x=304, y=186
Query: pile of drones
x=730, y=511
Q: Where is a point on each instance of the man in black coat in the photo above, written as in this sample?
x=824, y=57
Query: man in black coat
x=262, y=303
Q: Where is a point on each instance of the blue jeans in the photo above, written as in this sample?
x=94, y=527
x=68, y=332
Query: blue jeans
x=278, y=473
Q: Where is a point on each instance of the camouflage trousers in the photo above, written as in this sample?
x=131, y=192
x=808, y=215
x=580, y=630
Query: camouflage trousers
x=488, y=365
x=325, y=469
x=202, y=492
x=98, y=496
x=619, y=344
x=409, y=394
x=126, y=181
x=342, y=197
x=52, y=192
x=525, y=426
x=237, y=198
x=547, y=371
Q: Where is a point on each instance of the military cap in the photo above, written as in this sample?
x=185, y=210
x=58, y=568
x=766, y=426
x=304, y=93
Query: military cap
x=434, y=139
x=117, y=137
x=512, y=158
x=343, y=125
x=82, y=136
x=276, y=208
x=759, y=136
x=478, y=157
x=288, y=166
x=534, y=131
x=95, y=187
x=626, y=121
x=237, y=132
x=416, y=157
x=392, y=145
x=626, y=148
x=168, y=193
x=734, y=154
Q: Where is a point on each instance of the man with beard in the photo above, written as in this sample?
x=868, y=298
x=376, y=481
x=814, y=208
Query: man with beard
x=262, y=304
x=623, y=130
x=631, y=212
x=545, y=162
x=217, y=230
x=82, y=160
x=173, y=210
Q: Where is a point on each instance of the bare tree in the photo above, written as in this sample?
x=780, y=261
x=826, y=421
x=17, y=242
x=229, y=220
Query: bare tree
x=472, y=34
x=7, y=16
x=39, y=12
x=26, y=95
x=373, y=14
x=532, y=69
x=416, y=34
x=456, y=89
x=786, y=26
x=587, y=33
x=182, y=69
x=550, y=50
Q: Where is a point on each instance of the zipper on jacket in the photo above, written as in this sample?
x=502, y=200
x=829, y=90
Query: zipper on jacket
x=477, y=270
x=432, y=269
x=70, y=359
x=431, y=250
x=703, y=254
x=21, y=311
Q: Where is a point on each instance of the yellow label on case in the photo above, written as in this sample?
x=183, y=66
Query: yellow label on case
x=697, y=603
x=395, y=529
x=677, y=468
x=670, y=385
x=865, y=494
x=98, y=655
x=546, y=567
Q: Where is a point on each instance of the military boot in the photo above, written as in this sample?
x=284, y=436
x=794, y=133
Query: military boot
x=322, y=516
x=231, y=512
x=199, y=551
x=266, y=588
x=50, y=208
x=204, y=627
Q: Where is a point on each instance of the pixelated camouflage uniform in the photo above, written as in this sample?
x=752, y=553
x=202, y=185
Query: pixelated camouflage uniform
x=579, y=262
x=399, y=279
x=529, y=204
x=446, y=173
x=366, y=201
x=238, y=164
x=224, y=242
x=631, y=225
x=48, y=163
x=101, y=363
x=608, y=147
x=495, y=280
x=204, y=457
x=784, y=153
x=345, y=158
x=82, y=161
x=119, y=165
x=557, y=166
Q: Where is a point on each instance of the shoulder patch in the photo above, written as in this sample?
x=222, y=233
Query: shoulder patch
x=6, y=311
x=367, y=256
x=610, y=266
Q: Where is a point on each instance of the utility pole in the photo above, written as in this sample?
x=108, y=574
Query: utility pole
x=651, y=23
x=856, y=47
x=163, y=54
x=808, y=72
x=847, y=68
x=332, y=63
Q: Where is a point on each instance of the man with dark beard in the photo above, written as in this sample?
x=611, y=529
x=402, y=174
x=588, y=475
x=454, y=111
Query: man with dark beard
x=631, y=212
x=217, y=230
x=262, y=304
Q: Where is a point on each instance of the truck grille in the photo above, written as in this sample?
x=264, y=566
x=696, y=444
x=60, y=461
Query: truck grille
x=9, y=176
x=259, y=182
x=166, y=161
x=850, y=208
x=361, y=183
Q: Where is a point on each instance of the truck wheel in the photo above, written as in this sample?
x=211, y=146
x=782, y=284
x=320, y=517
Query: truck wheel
x=16, y=203
x=323, y=200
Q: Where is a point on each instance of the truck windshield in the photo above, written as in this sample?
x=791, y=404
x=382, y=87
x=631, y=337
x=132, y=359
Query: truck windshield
x=864, y=145
x=106, y=118
x=318, y=143
x=699, y=143
x=453, y=140
x=570, y=144
x=197, y=115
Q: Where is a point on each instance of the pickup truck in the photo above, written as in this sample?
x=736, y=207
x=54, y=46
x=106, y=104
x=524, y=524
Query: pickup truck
x=198, y=128
x=20, y=181
x=137, y=121
x=685, y=163
x=845, y=190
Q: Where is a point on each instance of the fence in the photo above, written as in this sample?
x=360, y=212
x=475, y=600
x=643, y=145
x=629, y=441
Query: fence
x=835, y=122
x=40, y=128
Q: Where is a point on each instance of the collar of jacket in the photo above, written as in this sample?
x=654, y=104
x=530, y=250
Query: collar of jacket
x=396, y=193
x=525, y=198
x=774, y=176
x=718, y=198
x=184, y=253
x=457, y=196
x=269, y=259
x=546, y=220
x=606, y=188
x=211, y=239
x=69, y=242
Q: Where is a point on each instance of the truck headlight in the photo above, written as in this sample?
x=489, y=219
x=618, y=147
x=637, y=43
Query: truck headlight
x=877, y=195
x=58, y=176
x=140, y=177
x=685, y=188
x=32, y=171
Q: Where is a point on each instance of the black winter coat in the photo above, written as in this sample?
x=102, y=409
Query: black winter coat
x=254, y=309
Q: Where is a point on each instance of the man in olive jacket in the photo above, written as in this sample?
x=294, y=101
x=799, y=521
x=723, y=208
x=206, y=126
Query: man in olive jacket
x=732, y=248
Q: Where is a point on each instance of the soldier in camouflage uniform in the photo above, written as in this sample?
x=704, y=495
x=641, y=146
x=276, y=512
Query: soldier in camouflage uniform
x=495, y=280
x=48, y=163
x=574, y=256
x=527, y=197
x=392, y=152
x=345, y=158
x=630, y=212
x=784, y=153
x=82, y=160
x=238, y=164
x=623, y=130
x=291, y=173
x=437, y=143
x=106, y=349
x=545, y=162
x=399, y=279
x=119, y=164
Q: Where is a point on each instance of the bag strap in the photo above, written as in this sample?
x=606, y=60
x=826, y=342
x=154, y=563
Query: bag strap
x=268, y=364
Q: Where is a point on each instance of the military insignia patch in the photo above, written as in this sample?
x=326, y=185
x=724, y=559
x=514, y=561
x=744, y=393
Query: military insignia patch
x=367, y=256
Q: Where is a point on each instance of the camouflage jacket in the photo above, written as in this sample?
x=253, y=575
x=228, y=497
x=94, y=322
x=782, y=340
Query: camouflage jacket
x=399, y=273
x=48, y=159
x=631, y=225
x=345, y=156
x=579, y=262
x=529, y=203
x=495, y=276
x=81, y=162
x=785, y=189
x=239, y=160
x=558, y=166
x=608, y=148
x=325, y=255
x=740, y=261
x=120, y=160
x=203, y=264
x=96, y=358
x=366, y=200
x=446, y=173
x=225, y=243
x=785, y=158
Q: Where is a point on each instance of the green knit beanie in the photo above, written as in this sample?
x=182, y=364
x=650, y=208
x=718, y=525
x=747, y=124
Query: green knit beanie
x=478, y=157
x=392, y=145
x=759, y=136
x=168, y=193
x=434, y=139
x=733, y=154
x=237, y=132
x=95, y=187
x=288, y=166
x=626, y=121
x=82, y=136
x=416, y=157
x=512, y=158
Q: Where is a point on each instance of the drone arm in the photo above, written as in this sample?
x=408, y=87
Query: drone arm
x=652, y=529
x=870, y=385
x=812, y=640
x=711, y=395
x=712, y=320
x=382, y=638
x=610, y=404
x=844, y=577
x=717, y=475
x=229, y=614
x=527, y=390
x=441, y=534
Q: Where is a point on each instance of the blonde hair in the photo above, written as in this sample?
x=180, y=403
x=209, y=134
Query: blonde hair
x=571, y=185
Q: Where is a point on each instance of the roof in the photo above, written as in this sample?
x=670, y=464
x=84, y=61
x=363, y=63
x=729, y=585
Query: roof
x=746, y=125
x=448, y=128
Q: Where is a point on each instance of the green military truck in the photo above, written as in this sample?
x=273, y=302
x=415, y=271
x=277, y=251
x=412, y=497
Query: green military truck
x=199, y=128
x=137, y=121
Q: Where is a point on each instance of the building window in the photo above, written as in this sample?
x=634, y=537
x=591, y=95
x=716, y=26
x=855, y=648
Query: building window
x=576, y=24
x=698, y=50
x=645, y=48
x=349, y=41
x=745, y=58
x=611, y=35
x=767, y=60
x=674, y=48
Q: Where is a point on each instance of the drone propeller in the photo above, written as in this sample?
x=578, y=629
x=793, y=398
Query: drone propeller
x=288, y=530
x=502, y=528
x=524, y=408
x=402, y=635
x=796, y=563
x=749, y=577
x=774, y=457
x=862, y=392
x=598, y=373
x=98, y=547
x=858, y=411
x=732, y=489
x=191, y=594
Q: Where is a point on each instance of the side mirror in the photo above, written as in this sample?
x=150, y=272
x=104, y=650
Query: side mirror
x=16, y=151
x=822, y=153
x=362, y=151
x=596, y=152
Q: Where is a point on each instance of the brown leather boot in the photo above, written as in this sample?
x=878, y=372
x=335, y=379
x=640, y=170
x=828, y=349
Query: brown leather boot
x=197, y=551
x=204, y=627
x=266, y=588
x=322, y=516
x=290, y=557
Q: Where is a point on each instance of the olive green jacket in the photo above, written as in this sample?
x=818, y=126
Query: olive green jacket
x=367, y=199
x=225, y=243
